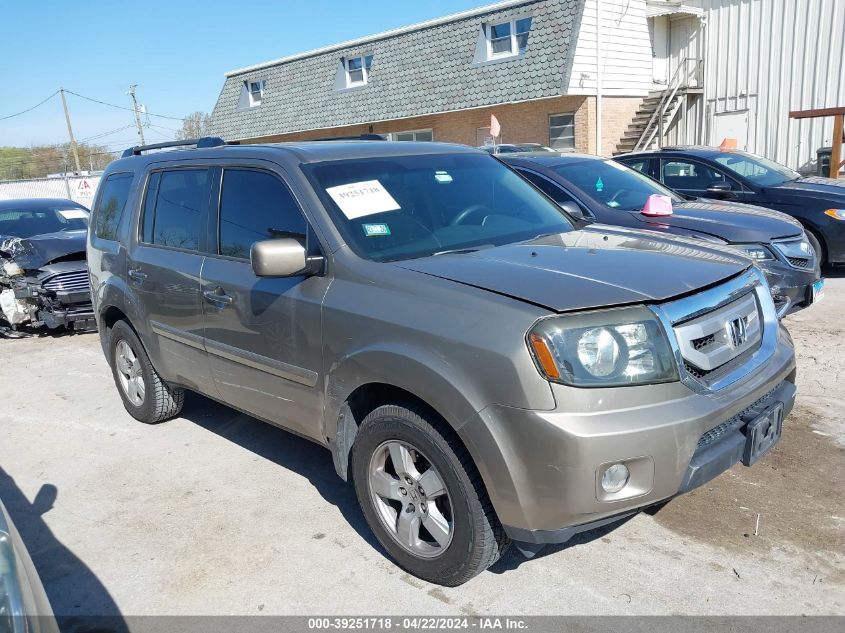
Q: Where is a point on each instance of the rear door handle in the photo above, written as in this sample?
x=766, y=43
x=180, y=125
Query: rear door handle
x=137, y=275
x=217, y=297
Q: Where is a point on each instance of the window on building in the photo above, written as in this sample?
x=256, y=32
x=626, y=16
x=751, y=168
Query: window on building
x=110, y=205
x=562, y=131
x=414, y=135
x=173, y=208
x=255, y=90
x=358, y=70
x=254, y=206
x=507, y=39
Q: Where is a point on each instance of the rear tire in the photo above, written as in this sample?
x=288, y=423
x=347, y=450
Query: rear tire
x=145, y=395
x=454, y=531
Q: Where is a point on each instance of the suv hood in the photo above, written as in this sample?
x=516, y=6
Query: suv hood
x=599, y=266
x=813, y=186
x=34, y=252
x=730, y=221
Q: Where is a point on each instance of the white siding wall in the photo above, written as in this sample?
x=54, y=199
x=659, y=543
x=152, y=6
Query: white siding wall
x=626, y=59
x=770, y=57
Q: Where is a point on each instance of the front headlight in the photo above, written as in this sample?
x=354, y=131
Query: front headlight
x=610, y=348
x=757, y=252
x=836, y=214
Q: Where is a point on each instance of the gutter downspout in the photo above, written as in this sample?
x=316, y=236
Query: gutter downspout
x=598, y=80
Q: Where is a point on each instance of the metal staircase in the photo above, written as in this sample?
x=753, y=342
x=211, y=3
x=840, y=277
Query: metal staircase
x=659, y=109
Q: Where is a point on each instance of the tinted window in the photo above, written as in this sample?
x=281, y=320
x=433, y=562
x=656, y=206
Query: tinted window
x=689, y=176
x=640, y=165
x=400, y=207
x=110, y=205
x=39, y=221
x=611, y=184
x=553, y=191
x=757, y=169
x=175, y=217
x=255, y=206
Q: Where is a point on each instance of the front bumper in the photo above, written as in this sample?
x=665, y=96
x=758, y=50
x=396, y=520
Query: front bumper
x=56, y=309
x=543, y=468
x=791, y=288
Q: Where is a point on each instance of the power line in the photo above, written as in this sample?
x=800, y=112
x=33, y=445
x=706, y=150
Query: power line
x=96, y=136
x=40, y=103
x=112, y=105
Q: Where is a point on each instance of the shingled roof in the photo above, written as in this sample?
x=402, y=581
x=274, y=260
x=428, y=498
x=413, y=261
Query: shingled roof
x=417, y=70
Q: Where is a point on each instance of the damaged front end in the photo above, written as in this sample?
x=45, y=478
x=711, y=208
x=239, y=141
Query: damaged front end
x=36, y=293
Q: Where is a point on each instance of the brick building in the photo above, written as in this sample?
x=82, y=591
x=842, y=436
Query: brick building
x=532, y=63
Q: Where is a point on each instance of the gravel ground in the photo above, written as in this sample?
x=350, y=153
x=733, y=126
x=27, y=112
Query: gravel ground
x=217, y=513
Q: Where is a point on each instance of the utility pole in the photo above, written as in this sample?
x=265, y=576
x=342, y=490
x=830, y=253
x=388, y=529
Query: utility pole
x=70, y=133
x=131, y=93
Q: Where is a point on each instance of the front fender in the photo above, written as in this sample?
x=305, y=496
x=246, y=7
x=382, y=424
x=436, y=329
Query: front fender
x=429, y=376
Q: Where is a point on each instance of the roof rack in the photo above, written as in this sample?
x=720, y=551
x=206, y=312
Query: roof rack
x=199, y=143
x=359, y=137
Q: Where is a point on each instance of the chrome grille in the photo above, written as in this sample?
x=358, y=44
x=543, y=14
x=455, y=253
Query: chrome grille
x=714, y=339
x=76, y=281
x=707, y=351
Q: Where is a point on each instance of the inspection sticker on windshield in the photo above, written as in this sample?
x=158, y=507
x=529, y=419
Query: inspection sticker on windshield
x=376, y=229
x=358, y=199
x=73, y=214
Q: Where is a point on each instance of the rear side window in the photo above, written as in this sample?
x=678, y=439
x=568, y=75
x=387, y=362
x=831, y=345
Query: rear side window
x=173, y=208
x=255, y=206
x=110, y=205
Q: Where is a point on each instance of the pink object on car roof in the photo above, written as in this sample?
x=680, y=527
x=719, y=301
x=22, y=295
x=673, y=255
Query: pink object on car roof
x=657, y=205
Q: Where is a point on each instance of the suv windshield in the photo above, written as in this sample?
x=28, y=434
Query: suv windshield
x=403, y=207
x=30, y=222
x=611, y=184
x=757, y=169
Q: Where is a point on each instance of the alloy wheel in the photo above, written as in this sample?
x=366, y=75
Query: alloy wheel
x=129, y=372
x=411, y=499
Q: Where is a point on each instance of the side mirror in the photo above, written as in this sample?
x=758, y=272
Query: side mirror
x=574, y=210
x=719, y=187
x=283, y=257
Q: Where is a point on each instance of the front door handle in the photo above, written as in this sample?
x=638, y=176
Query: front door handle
x=217, y=297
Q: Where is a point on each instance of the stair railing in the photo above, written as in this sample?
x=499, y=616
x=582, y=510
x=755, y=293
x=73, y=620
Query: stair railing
x=686, y=75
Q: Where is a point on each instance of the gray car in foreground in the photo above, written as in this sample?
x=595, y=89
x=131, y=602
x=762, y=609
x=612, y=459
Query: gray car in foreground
x=483, y=367
x=24, y=607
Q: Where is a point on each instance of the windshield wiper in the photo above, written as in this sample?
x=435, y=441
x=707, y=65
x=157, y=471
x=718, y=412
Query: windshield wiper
x=469, y=249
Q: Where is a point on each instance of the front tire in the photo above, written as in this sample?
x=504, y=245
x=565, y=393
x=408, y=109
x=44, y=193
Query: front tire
x=423, y=497
x=145, y=395
x=817, y=247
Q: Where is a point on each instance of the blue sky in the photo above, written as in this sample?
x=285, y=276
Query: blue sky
x=175, y=51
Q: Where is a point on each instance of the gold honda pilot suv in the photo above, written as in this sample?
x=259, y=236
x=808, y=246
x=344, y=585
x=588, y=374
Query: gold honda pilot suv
x=482, y=366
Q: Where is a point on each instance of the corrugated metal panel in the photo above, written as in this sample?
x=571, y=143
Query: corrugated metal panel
x=770, y=57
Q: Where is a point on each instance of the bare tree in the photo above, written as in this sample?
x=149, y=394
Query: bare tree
x=194, y=125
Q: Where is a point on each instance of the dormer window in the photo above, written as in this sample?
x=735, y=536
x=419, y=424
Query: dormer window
x=508, y=39
x=358, y=70
x=256, y=92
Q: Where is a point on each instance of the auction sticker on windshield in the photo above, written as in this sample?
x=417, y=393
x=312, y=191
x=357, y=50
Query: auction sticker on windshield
x=73, y=214
x=358, y=199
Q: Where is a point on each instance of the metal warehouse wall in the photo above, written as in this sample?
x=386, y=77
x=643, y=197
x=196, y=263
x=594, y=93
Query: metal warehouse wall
x=770, y=57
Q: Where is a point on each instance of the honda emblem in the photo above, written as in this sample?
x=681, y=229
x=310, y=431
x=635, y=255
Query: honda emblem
x=736, y=332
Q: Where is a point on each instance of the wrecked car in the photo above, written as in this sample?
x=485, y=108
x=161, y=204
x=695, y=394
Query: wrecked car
x=43, y=272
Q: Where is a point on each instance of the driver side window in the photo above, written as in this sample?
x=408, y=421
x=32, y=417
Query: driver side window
x=690, y=176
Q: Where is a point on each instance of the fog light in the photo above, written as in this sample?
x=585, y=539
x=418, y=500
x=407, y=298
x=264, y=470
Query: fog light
x=615, y=478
